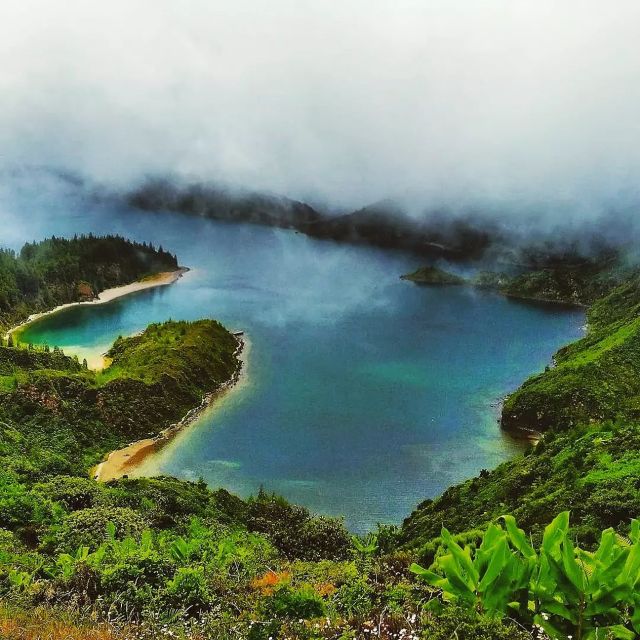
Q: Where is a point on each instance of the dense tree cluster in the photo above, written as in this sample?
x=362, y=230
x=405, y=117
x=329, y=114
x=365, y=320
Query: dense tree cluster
x=58, y=270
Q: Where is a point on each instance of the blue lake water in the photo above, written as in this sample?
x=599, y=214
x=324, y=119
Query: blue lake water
x=364, y=394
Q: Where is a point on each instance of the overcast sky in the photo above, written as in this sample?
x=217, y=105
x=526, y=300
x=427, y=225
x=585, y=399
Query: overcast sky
x=345, y=101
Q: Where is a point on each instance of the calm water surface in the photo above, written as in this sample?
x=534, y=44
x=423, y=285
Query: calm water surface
x=364, y=394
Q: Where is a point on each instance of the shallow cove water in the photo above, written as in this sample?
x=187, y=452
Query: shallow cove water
x=365, y=394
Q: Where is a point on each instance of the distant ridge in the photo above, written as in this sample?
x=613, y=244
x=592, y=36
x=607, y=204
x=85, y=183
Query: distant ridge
x=382, y=224
x=223, y=204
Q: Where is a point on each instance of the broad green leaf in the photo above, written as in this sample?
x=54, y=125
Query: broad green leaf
x=428, y=576
x=554, y=533
x=462, y=557
x=518, y=538
x=461, y=587
x=607, y=545
x=558, y=609
x=568, y=589
x=572, y=569
x=497, y=564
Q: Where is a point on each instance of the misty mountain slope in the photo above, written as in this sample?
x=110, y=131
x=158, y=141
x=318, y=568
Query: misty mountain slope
x=222, y=204
x=513, y=240
x=386, y=224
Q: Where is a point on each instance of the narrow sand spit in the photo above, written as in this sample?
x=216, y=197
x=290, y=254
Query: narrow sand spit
x=122, y=461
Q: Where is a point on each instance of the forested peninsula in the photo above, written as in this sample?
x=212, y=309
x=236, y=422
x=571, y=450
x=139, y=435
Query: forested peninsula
x=58, y=271
x=160, y=557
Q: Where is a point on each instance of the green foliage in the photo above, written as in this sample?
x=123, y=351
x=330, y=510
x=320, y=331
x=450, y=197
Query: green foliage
x=595, y=379
x=188, y=589
x=72, y=493
x=88, y=527
x=295, y=532
x=58, y=271
x=288, y=602
x=567, y=591
x=366, y=546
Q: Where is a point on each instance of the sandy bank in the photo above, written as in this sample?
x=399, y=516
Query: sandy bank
x=158, y=280
x=122, y=461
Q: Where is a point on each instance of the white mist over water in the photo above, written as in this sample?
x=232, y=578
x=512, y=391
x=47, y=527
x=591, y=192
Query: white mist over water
x=525, y=104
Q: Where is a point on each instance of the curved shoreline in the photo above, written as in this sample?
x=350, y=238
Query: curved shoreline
x=119, y=463
x=161, y=279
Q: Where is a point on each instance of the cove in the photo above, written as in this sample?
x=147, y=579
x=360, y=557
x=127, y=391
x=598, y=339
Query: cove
x=364, y=394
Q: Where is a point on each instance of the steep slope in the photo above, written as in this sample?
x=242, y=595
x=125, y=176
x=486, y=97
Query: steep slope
x=594, y=379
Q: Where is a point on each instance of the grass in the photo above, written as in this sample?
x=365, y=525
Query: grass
x=40, y=624
x=205, y=346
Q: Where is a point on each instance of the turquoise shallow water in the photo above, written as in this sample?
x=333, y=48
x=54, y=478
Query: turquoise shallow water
x=364, y=395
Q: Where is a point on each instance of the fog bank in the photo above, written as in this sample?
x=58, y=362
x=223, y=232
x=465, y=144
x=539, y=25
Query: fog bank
x=528, y=105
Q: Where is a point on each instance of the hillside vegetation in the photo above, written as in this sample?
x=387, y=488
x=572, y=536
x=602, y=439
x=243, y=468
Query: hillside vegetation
x=56, y=416
x=594, y=379
x=164, y=558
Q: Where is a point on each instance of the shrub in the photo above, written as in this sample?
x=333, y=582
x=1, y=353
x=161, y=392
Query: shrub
x=188, y=589
x=324, y=538
x=295, y=533
x=88, y=527
x=20, y=508
x=73, y=493
x=354, y=599
x=288, y=602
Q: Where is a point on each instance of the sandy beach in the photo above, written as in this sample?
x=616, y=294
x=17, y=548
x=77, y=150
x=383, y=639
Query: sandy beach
x=121, y=462
x=158, y=280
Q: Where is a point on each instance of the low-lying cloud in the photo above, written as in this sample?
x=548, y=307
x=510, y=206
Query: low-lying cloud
x=533, y=102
